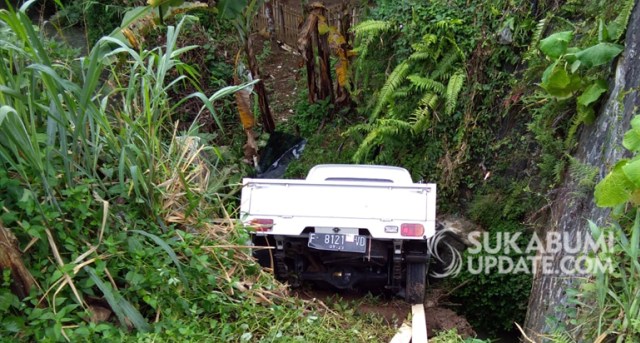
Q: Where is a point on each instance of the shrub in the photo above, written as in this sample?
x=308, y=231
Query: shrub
x=506, y=295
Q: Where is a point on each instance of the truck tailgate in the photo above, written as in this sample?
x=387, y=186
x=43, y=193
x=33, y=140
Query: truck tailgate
x=339, y=202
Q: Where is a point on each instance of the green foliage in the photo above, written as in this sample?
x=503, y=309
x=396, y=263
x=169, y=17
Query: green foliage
x=573, y=83
x=616, y=28
x=231, y=9
x=432, y=79
x=103, y=16
x=606, y=304
x=584, y=176
x=324, y=142
x=609, y=293
x=561, y=79
x=505, y=294
x=432, y=73
x=452, y=336
x=622, y=184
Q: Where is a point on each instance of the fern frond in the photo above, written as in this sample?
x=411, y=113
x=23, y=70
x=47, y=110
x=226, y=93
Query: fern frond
x=540, y=27
x=537, y=35
x=453, y=90
x=420, y=56
x=584, y=115
x=619, y=25
x=583, y=174
x=362, y=50
x=426, y=44
x=558, y=170
x=384, y=129
x=448, y=24
x=443, y=68
x=421, y=117
x=561, y=337
x=421, y=120
x=397, y=76
x=359, y=128
x=426, y=84
x=372, y=28
x=430, y=100
x=391, y=127
x=402, y=92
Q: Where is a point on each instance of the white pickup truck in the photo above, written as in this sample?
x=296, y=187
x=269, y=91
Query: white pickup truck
x=345, y=225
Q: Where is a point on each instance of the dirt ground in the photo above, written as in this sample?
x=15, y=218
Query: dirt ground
x=280, y=71
x=394, y=311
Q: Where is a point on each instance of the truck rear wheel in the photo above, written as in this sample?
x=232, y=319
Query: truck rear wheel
x=416, y=279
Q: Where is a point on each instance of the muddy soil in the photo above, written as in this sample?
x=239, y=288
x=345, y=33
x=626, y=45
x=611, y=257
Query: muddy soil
x=392, y=310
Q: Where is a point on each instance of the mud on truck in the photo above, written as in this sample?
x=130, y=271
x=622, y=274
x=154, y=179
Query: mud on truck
x=344, y=225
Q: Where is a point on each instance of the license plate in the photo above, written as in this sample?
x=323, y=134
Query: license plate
x=338, y=242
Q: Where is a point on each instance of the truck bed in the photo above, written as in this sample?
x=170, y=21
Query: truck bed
x=297, y=204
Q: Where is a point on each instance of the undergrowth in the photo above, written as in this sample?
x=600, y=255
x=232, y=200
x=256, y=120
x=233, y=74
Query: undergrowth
x=115, y=225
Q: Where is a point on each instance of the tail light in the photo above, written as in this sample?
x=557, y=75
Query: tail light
x=261, y=224
x=411, y=230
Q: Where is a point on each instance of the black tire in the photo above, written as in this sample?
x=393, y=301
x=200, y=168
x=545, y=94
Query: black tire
x=416, y=282
x=263, y=256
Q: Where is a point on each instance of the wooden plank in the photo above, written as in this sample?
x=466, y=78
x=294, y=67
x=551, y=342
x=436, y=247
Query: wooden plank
x=418, y=324
x=403, y=335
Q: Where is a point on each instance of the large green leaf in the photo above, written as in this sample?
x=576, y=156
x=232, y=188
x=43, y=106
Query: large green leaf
x=231, y=9
x=129, y=18
x=631, y=140
x=632, y=172
x=615, y=188
x=558, y=82
x=592, y=93
x=635, y=123
x=158, y=3
x=556, y=44
x=599, y=54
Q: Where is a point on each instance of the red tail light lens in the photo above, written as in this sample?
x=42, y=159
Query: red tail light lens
x=412, y=230
x=261, y=224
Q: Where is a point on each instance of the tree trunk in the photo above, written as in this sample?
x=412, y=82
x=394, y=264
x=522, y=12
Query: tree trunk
x=311, y=73
x=326, y=86
x=268, y=123
x=10, y=258
x=305, y=46
x=271, y=26
x=345, y=23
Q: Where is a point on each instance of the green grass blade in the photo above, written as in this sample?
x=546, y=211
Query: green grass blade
x=161, y=243
x=120, y=306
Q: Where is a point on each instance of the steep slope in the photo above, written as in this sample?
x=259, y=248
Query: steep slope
x=599, y=147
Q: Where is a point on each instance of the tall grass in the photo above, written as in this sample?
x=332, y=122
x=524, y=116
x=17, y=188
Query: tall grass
x=104, y=120
x=61, y=120
x=610, y=300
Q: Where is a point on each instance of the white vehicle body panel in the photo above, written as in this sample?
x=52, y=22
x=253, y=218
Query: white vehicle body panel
x=342, y=196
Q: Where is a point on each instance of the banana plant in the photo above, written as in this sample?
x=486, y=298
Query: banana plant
x=163, y=6
x=328, y=39
x=241, y=14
